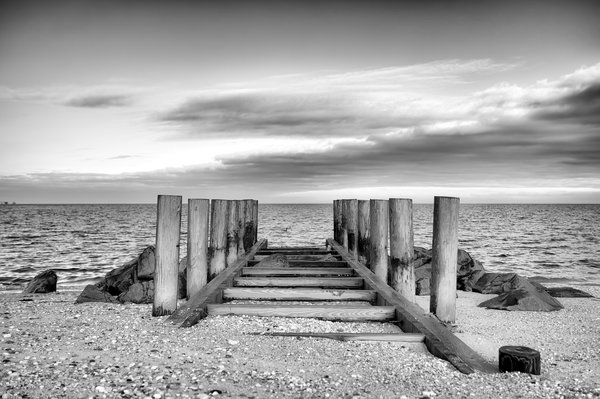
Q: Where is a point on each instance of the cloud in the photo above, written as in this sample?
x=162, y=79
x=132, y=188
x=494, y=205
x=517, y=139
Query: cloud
x=100, y=101
x=582, y=106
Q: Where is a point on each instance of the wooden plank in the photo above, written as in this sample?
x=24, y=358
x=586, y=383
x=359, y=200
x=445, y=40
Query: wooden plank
x=439, y=340
x=197, y=245
x=297, y=255
x=307, y=263
x=297, y=294
x=337, y=313
x=297, y=271
x=195, y=308
x=328, y=282
x=345, y=337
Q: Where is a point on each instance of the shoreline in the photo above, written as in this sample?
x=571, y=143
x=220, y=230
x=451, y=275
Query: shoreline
x=112, y=350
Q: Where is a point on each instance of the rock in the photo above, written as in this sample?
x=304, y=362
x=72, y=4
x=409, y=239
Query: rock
x=468, y=271
x=274, y=261
x=567, y=292
x=140, y=292
x=42, y=283
x=499, y=283
x=523, y=299
x=146, y=264
x=120, y=279
x=92, y=293
x=422, y=276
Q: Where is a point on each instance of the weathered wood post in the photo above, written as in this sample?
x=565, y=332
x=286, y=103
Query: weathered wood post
x=344, y=224
x=218, y=237
x=363, y=231
x=166, y=277
x=241, y=226
x=351, y=210
x=255, y=221
x=197, y=245
x=337, y=220
x=444, y=255
x=248, y=225
x=232, y=232
x=378, y=241
x=402, y=271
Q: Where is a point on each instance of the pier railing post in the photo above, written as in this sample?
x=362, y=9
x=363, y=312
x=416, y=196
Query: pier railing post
x=168, y=225
x=218, y=237
x=241, y=226
x=232, y=232
x=248, y=225
x=337, y=221
x=197, y=245
x=351, y=211
x=378, y=241
x=444, y=255
x=402, y=272
x=363, y=232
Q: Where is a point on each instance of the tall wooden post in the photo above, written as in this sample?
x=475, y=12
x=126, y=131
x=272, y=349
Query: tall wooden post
x=248, y=225
x=378, y=241
x=443, y=263
x=241, y=226
x=218, y=237
x=363, y=231
x=232, y=233
x=351, y=210
x=337, y=220
x=344, y=225
x=168, y=225
x=255, y=221
x=197, y=245
x=402, y=271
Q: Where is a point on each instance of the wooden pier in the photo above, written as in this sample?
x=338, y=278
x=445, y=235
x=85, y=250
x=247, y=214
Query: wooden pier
x=332, y=283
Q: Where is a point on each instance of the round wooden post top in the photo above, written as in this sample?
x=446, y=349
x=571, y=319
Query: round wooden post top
x=519, y=358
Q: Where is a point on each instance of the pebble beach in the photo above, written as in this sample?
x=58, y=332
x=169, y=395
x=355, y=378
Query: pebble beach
x=52, y=348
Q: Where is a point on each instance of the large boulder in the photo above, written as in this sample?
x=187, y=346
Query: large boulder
x=515, y=293
x=92, y=293
x=146, y=264
x=42, y=283
x=140, y=292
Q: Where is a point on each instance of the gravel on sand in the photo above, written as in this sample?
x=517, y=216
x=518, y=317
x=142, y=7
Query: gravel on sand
x=52, y=348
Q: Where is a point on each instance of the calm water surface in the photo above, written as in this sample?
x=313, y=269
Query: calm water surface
x=556, y=244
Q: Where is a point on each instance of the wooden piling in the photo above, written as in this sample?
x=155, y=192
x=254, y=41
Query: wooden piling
x=255, y=221
x=248, y=225
x=241, y=226
x=168, y=225
x=402, y=272
x=197, y=245
x=337, y=220
x=351, y=211
x=218, y=237
x=378, y=240
x=444, y=254
x=232, y=232
x=344, y=224
x=363, y=232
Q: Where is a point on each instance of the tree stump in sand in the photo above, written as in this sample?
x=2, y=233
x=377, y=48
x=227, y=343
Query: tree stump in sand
x=519, y=358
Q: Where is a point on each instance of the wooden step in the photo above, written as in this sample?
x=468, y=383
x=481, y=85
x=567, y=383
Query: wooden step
x=338, y=313
x=325, y=282
x=295, y=251
x=306, y=263
x=305, y=257
x=297, y=271
x=297, y=294
x=345, y=337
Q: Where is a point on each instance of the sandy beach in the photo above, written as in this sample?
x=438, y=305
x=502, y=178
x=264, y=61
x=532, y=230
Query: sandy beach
x=52, y=348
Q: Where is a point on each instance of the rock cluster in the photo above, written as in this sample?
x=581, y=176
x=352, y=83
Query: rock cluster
x=132, y=282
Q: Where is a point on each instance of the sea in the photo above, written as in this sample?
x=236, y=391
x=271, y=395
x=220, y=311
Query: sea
x=552, y=244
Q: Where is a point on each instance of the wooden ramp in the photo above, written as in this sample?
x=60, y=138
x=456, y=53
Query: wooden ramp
x=328, y=285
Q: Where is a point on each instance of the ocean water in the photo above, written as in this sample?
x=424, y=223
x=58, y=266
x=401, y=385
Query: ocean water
x=554, y=244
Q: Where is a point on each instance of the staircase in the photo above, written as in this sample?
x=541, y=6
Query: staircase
x=310, y=287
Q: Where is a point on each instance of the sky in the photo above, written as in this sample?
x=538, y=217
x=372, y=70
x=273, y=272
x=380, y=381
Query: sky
x=299, y=101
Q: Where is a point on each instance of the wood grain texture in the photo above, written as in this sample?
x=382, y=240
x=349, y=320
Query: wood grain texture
x=168, y=225
x=439, y=340
x=336, y=313
x=297, y=271
x=233, y=232
x=197, y=245
x=444, y=254
x=307, y=263
x=218, y=237
x=350, y=216
x=347, y=337
x=298, y=294
x=378, y=241
x=363, y=232
x=330, y=282
x=401, y=276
